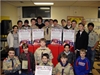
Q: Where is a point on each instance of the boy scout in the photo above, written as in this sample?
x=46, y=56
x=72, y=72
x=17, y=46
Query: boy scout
x=11, y=64
x=63, y=67
x=41, y=50
x=45, y=61
x=33, y=22
x=92, y=44
x=47, y=31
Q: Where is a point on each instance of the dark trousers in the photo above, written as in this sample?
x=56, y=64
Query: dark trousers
x=16, y=73
x=47, y=42
x=77, y=54
x=91, y=56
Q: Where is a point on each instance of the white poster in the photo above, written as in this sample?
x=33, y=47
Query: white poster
x=43, y=70
x=56, y=36
x=69, y=36
x=37, y=34
x=25, y=36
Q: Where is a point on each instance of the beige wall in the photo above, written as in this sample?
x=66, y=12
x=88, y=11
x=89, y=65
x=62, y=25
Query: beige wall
x=62, y=12
x=9, y=10
x=56, y=12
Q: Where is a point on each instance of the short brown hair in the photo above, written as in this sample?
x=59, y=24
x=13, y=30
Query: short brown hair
x=43, y=39
x=11, y=49
x=81, y=24
x=83, y=50
x=25, y=45
x=63, y=55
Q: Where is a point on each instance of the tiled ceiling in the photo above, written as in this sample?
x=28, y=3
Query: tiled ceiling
x=95, y=3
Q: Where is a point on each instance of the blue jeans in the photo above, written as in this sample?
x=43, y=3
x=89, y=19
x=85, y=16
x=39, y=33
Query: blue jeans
x=16, y=51
x=91, y=56
x=27, y=73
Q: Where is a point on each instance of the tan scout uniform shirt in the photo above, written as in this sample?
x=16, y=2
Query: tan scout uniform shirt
x=47, y=36
x=93, y=38
x=7, y=63
x=68, y=70
x=48, y=64
x=38, y=53
x=34, y=27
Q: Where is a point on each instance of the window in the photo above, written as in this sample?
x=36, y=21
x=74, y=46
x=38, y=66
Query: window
x=35, y=11
x=98, y=12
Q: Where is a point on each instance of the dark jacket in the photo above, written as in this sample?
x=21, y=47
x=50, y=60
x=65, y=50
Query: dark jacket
x=71, y=57
x=40, y=25
x=66, y=27
x=81, y=40
x=32, y=61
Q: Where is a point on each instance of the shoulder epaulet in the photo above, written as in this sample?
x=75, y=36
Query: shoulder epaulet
x=16, y=57
x=50, y=63
x=5, y=59
x=70, y=64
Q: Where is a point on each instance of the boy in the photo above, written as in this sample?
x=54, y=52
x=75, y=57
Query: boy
x=47, y=31
x=63, y=67
x=41, y=50
x=82, y=64
x=45, y=60
x=27, y=61
x=68, y=53
x=11, y=65
x=81, y=40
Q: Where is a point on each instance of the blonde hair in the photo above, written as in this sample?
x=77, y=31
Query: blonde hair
x=83, y=50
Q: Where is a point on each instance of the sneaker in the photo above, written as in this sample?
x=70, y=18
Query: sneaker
x=90, y=71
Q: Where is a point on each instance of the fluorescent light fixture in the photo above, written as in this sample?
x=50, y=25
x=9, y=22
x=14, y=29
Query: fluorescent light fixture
x=43, y=3
x=43, y=8
x=47, y=11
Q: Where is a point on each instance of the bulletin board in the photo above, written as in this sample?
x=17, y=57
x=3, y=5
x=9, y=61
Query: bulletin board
x=77, y=18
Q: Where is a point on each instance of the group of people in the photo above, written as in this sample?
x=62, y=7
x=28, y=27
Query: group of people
x=79, y=62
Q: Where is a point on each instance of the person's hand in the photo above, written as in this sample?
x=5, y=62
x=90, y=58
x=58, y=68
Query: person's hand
x=10, y=68
x=33, y=72
x=75, y=51
x=92, y=48
x=16, y=65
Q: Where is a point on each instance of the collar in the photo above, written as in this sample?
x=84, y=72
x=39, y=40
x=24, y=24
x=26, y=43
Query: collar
x=67, y=53
x=44, y=48
x=10, y=58
x=63, y=65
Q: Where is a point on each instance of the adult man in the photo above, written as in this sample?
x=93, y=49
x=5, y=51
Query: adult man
x=92, y=44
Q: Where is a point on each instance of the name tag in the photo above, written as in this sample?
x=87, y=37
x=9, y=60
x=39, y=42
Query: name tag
x=24, y=64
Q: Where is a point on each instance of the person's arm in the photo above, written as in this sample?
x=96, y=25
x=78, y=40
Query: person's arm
x=86, y=41
x=35, y=56
x=33, y=59
x=50, y=55
x=56, y=72
x=17, y=65
x=71, y=71
x=6, y=69
x=76, y=68
x=10, y=40
x=96, y=43
x=87, y=68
